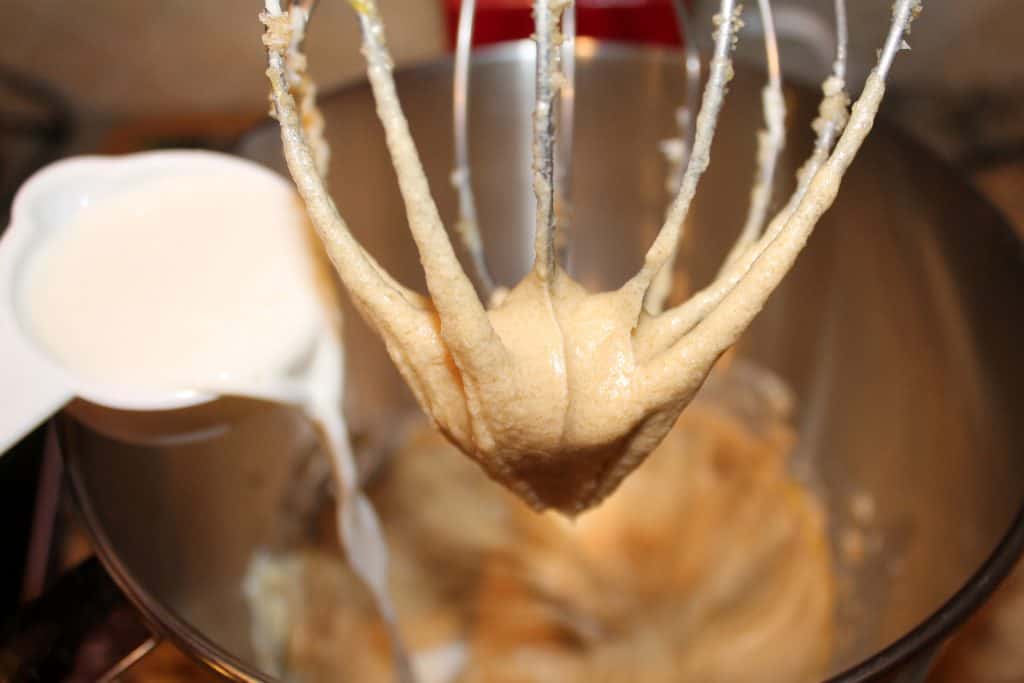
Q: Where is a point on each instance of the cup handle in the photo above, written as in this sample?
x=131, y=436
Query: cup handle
x=31, y=390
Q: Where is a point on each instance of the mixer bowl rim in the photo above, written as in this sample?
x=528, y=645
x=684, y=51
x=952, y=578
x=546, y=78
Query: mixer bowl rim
x=930, y=631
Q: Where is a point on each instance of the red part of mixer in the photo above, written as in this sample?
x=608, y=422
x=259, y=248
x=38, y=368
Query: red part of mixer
x=636, y=21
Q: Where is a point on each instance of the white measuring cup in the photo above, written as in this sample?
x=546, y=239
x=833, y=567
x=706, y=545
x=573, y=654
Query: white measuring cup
x=34, y=385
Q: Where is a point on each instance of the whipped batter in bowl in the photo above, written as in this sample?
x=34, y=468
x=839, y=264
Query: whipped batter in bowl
x=712, y=563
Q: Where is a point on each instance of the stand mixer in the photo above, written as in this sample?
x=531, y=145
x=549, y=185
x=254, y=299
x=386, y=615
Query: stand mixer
x=999, y=269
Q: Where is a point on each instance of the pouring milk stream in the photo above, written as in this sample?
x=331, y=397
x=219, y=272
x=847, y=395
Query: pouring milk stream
x=161, y=282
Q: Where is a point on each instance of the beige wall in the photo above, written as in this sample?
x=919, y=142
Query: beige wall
x=149, y=56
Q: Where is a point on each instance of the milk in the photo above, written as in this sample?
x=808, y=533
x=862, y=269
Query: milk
x=206, y=283
x=187, y=282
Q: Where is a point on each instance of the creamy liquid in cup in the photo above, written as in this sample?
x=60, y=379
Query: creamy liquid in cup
x=185, y=283
x=203, y=284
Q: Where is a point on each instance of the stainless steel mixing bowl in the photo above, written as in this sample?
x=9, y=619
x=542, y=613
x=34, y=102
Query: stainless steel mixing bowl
x=898, y=330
